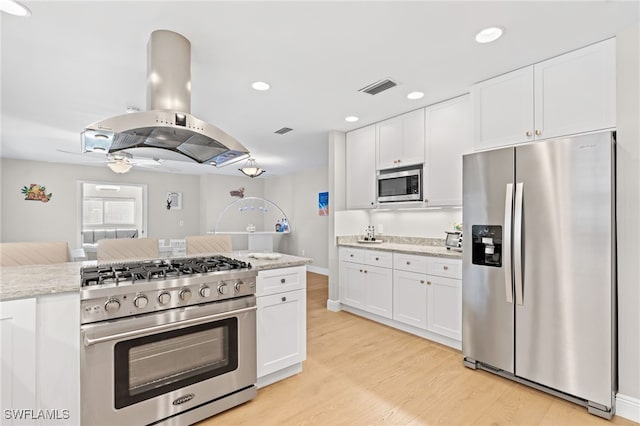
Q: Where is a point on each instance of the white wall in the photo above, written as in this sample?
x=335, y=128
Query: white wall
x=336, y=145
x=297, y=195
x=58, y=219
x=628, y=210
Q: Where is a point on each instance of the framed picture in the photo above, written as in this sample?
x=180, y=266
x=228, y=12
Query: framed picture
x=174, y=200
x=323, y=204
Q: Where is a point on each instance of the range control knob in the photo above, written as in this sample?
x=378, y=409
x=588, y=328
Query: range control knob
x=223, y=289
x=205, y=291
x=238, y=285
x=164, y=298
x=141, y=301
x=112, y=305
x=185, y=295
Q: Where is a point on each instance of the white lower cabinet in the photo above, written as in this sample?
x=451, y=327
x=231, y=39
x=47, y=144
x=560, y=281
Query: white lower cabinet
x=18, y=357
x=281, y=323
x=416, y=293
x=410, y=298
x=40, y=357
x=444, y=306
x=365, y=286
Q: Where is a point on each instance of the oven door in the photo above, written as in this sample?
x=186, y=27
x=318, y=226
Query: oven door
x=139, y=370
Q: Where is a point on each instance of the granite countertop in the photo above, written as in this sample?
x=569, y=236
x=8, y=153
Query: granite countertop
x=410, y=245
x=20, y=282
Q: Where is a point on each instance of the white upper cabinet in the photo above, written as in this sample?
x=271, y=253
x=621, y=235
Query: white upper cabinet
x=568, y=94
x=503, y=110
x=400, y=140
x=361, y=168
x=448, y=137
x=576, y=92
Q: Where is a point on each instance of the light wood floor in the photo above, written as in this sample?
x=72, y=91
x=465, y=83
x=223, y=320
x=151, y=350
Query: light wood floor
x=359, y=372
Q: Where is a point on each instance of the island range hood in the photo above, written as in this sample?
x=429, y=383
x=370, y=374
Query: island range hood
x=167, y=124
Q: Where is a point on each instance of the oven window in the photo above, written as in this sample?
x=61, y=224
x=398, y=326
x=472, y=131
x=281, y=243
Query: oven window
x=404, y=185
x=153, y=365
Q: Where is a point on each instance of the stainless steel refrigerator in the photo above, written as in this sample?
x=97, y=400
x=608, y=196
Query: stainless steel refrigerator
x=538, y=278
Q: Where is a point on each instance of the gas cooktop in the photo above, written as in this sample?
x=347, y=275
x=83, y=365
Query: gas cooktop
x=124, y=289
x=148, y=270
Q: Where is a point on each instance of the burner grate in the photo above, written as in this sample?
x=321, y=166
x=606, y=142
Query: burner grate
x=159, y=269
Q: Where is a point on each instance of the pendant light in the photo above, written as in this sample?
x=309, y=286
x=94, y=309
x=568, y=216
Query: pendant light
x=251, y=168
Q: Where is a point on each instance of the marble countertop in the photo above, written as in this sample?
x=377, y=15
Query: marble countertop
x=20, y=282
x=410, y=245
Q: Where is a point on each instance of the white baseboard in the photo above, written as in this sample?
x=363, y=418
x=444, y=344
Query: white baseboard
x=318, y=270
x=334, y=305
x=628, y=407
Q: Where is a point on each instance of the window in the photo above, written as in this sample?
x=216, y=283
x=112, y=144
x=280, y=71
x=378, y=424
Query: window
x=111, y=211
x=106, y=211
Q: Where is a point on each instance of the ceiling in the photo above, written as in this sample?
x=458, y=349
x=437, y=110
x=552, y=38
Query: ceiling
x=76, y=62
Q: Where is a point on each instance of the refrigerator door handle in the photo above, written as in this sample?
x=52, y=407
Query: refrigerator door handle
x=506, y=243
x=517, y=242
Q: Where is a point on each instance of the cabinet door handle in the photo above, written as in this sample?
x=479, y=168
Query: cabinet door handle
x=408, y=263
x=284, y=299
x=529, y=133
x=446, y=268
x=282, y=281
x=538, y=132
x=428, y=282
x=360, y=270
x=365, y=271
x=350, y=255
x=421, y=281
x=377, y=258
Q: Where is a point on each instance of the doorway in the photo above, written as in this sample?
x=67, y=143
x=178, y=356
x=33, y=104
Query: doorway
x=110, y=210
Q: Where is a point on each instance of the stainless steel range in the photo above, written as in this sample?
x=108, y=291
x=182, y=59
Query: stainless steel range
x=166, y=341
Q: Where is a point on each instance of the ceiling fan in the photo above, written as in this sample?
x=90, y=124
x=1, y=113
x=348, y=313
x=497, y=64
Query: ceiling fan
x=122, y=162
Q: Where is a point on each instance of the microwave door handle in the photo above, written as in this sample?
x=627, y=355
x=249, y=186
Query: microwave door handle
x=506, y=243
x=517, y=243
x=164, y=327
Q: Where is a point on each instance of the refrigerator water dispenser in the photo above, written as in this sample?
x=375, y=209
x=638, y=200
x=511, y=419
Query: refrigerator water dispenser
x=487, y=245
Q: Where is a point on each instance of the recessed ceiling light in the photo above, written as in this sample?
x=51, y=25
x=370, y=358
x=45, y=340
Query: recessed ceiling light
x=351, y=119
x=489, y=34
x=415, y=95
x=260, y=85
x=14, y=8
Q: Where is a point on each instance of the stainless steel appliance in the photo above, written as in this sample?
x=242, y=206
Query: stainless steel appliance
x=167, y=124
x=168, y=341
x=538, y=279
x=400, y=184
x=453, y=241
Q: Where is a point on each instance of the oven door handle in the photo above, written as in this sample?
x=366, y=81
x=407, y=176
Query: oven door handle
x=164, y=327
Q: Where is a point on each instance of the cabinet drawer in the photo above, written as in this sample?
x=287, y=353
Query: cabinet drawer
x=410, y=262
x=449, y=268
x=352, y=255
x=272, y=281
x=378, y=258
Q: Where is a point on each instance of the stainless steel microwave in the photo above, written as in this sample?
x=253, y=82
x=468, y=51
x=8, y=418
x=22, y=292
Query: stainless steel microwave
x=400, y=184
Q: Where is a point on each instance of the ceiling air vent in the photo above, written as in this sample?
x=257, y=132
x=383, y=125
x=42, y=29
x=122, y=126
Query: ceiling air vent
x=378, y=86
x=283, y=131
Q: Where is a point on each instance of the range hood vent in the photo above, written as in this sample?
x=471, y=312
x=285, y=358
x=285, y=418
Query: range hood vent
x=283, y=131
x=167, y=124
x=378, y=86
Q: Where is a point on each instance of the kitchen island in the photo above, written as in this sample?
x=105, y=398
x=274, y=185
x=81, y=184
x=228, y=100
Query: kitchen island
x=19, y=282
x=40, y=311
